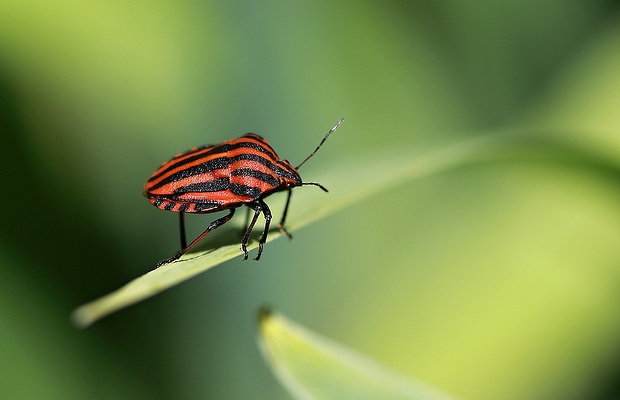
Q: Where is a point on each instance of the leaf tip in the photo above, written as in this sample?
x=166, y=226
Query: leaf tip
x=82, y=318
x=264, y=313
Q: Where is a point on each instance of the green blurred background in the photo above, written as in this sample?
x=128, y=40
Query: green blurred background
x=492, y=282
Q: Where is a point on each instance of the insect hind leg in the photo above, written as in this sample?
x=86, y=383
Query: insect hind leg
x=182, y=229
x=213, y=225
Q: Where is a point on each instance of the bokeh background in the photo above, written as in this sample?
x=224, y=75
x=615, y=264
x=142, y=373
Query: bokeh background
x=500, y=281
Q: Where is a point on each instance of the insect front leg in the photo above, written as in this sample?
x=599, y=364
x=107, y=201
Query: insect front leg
x=281, y=223
x=215, y=224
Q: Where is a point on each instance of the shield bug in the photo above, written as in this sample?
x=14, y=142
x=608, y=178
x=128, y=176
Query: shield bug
x=226, y=176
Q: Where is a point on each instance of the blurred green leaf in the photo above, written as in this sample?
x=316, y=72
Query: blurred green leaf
x=310, y=366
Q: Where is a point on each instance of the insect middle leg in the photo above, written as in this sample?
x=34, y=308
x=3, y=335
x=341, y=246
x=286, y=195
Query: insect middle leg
x=263, y=238
x=215, y=224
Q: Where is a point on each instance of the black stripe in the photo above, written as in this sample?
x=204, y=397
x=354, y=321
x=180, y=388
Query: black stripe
x=173, y=165
x=267, y=147
x=210, y=166
x=221, y=148
x=216, y=185
x=221, y=163
x=290, y=171
x=283, y=172
x=184, y=207
x=244, y=190
x=268, y=179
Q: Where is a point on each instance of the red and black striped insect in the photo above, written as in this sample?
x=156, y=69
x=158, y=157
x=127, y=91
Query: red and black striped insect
x=226, y=176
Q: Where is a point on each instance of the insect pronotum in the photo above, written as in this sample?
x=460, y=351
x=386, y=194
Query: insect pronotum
x=226, y=176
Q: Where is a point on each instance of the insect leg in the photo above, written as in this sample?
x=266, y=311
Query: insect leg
x=215, y=224
x=246, y=237
x=281, y=223
x=182, y=229
x=247, y=220
x=263, y=238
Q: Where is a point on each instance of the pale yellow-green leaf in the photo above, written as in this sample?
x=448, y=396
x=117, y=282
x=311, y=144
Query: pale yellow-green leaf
x=311, y=366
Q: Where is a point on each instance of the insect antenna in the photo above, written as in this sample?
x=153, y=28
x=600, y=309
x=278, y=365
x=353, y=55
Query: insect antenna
x=315, y=184
x=319, y=146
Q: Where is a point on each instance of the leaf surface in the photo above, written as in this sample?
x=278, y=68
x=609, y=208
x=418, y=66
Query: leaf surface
x=311, y=366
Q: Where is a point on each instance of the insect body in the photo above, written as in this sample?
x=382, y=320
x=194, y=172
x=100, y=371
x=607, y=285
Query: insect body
x=226, y=176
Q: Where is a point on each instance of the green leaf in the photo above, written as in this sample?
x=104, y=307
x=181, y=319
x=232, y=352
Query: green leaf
x=353, y=181
x=311, y=366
